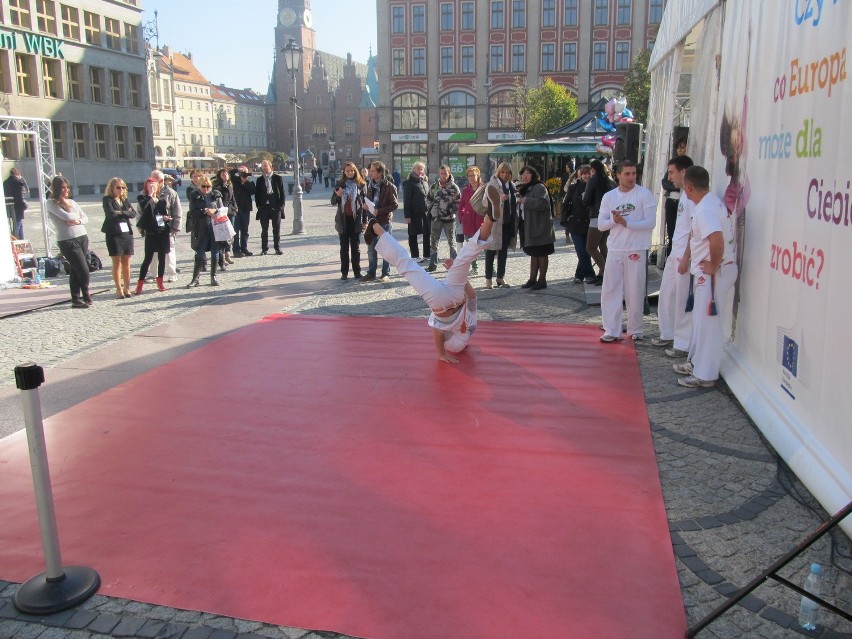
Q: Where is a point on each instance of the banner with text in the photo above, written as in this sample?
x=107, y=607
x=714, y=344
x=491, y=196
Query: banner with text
x=781, y=166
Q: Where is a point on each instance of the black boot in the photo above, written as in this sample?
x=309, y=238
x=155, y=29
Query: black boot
x=196, y=269
x=213, y=280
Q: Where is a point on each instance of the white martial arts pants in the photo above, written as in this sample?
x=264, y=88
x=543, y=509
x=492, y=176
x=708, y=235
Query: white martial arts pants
x=705, y=348
x=438, y=294
x=624, y=281
x=675, y=322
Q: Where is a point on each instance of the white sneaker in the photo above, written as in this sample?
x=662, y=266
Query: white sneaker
x=693, y=382
x=609, y=339
x=659, y=341
x=171, y=278
x=675, y=352
x=683, y=369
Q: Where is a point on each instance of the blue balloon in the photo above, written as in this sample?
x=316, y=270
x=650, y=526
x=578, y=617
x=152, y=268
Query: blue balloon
x=605, y=125
x=627, y=113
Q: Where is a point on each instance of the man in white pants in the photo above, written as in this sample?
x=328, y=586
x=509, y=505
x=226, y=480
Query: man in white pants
x=453, y=300
x=675, y=322
x=628, y=213
x=714, y=269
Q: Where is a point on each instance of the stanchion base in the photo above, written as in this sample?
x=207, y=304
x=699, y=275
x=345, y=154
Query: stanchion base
x=38, y=596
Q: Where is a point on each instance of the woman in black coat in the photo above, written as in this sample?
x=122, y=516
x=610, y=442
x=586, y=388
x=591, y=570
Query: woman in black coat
x=154, y=221
x=415, y=191
x=576, y=216
x=222, y=183
x=204, y=205
x=349, y=195
x=598, y=185
x=118, y=211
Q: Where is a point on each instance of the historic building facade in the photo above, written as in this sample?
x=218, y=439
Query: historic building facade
x=448, y=68
x=239, y=122
x=329, y=90
x=80, y=64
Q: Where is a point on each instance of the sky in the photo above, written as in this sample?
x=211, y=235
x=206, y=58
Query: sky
x=231, y=42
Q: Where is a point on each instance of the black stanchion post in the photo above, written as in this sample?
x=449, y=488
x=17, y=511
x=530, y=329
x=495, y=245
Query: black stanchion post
x=57, y=588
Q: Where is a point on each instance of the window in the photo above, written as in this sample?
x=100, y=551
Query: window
x=93, y=28
x=447, y=61
x=548, y=57
x=569, y=56
x=399, y=62
x=75, y=79
x=498, y=17
x=319, y=129
x=457, y=110
x=19, y=13
x=112, y=29
x=571, y=18
x=46, y=16
x=139, y=142
x=50, y=77
x=398, y=20
x=96, y=78
x=81, y=134
x=70, y=22
x=155, y=128
x=446, y=16
x=519, y=58
x=418, y=18
x=169, y=129
x=418, y=62
x=548, y=13
x=468, y=19
x=25, y=73
x=599, y=56
x=58, y=140
x=601, y=11
x=120, y=133
x=116, y=82
x=622, y=55
x=503, y=112
x=101, y=141
x=409, y=112
x=623, y=12
x=135, y=90
x=131, y=35
x=496, y=58
x=467, y=65
x=655, y=11
x=519, y=14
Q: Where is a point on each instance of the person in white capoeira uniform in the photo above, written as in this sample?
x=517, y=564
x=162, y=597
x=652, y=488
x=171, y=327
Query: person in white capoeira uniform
x=714, y=270
x=675, y=322
x=453, y=300
x=628, y=213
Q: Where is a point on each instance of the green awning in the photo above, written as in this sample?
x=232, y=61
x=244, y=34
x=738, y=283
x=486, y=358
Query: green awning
x=558, y=146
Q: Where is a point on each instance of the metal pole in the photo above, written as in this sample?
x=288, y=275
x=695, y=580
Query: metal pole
x=55, y=589
x=298, y=226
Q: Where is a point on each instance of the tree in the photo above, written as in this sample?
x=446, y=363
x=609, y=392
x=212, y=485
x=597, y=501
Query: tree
x=637, y=86
x=549, y=106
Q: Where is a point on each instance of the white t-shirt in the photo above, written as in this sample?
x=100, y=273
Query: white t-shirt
x=710, y=216
x=638, y=207
x=683, y=227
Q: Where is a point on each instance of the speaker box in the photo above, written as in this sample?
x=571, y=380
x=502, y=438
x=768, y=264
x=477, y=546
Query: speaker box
x=628, y=138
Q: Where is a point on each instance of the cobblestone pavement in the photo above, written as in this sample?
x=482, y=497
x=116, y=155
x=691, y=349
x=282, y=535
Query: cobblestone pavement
x=732, y=504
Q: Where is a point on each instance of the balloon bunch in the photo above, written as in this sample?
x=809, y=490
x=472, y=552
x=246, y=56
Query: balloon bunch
x=615, y=111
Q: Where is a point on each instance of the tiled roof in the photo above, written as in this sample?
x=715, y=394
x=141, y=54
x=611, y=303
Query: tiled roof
x=185, y=70
x=334, y=66
x=243, y=96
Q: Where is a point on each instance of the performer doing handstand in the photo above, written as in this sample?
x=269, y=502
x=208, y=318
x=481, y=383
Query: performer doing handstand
x=453, y=300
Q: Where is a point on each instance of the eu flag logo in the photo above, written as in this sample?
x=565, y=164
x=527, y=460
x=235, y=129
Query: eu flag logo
x=790, y=357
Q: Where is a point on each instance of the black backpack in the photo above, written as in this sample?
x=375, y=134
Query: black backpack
x=92, y=260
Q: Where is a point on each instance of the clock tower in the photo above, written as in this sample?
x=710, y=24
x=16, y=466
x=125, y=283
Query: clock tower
x=294, y=20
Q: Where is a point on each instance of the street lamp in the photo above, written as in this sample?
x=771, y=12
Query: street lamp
x=293, y=60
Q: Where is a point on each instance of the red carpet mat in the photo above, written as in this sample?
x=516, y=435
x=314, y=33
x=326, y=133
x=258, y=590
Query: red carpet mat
x=330, y=473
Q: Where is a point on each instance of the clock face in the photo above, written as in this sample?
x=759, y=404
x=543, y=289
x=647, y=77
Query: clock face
x=307, y=18
x=287, y=17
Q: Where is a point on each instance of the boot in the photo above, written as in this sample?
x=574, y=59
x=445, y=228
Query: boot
x=228, y=259
x=204, y=264
x=213, y=280
x=160, y=286
x=139, y=286
x=196, y=269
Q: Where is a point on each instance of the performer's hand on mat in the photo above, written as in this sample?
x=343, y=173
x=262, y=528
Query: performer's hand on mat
x=448, y=263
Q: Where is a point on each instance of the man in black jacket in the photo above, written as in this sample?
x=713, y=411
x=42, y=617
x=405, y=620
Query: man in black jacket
x=269, y=197
x=244, y=190
x=16, y=188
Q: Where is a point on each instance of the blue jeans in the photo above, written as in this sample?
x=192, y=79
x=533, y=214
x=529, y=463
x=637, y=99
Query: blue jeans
x=18, y=228
x=241, y=224
x=584, y=263
x=373, y=256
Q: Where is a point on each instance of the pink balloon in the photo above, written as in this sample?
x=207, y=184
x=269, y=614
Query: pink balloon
x=611, y=118
x=609, y=107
